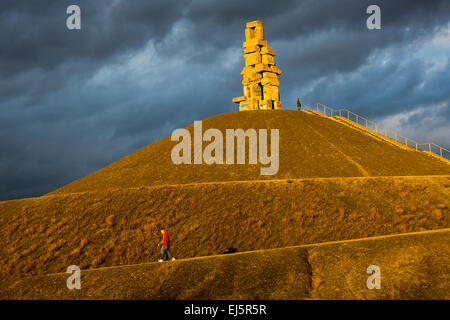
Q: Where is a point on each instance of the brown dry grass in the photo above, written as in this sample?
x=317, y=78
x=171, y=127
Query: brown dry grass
x=413, y=266
x=311, y=146
x=111, y=217
x=117, y=227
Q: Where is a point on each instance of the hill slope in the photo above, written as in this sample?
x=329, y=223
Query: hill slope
x=335, y=183
x=120, y=226
x=311, y=146
x=413, y=266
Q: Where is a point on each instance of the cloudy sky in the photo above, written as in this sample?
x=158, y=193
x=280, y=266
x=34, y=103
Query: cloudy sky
x=73, y=101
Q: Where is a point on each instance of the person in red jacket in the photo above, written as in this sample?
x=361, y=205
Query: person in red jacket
x=165, y=249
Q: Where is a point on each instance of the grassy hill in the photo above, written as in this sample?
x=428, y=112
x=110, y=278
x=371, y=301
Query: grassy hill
x=335, y=183
x=413, y=266
x=311, y=146
x=120, y=226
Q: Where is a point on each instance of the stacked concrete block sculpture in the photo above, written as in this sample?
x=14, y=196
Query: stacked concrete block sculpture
x=260, y=74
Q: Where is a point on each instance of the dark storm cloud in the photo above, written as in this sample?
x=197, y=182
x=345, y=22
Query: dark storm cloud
x=38, y=50
x=34, y=35
x=289, y=19
x=75, y=101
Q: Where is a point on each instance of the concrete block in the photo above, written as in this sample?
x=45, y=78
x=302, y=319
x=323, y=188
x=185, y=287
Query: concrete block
x=239, y=99
x=271, y=81
x=267, y=59
x=276, y=70
x=269, y=74
x=259, y=32
x=253, y=24
x=255, y=42
x=252, y=58
x=251, y=49
x=260, y=67
x=268, y=50
x=270, y=92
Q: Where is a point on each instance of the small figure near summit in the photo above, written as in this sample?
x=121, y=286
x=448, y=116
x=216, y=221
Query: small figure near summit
x=165, y=249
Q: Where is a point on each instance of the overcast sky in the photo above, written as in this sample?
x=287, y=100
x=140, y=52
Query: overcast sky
x=73, y=101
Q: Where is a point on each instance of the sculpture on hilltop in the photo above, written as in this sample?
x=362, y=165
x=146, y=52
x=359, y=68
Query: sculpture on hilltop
x=260, y=74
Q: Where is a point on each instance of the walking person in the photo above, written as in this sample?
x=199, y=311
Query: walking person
x=165, y=249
